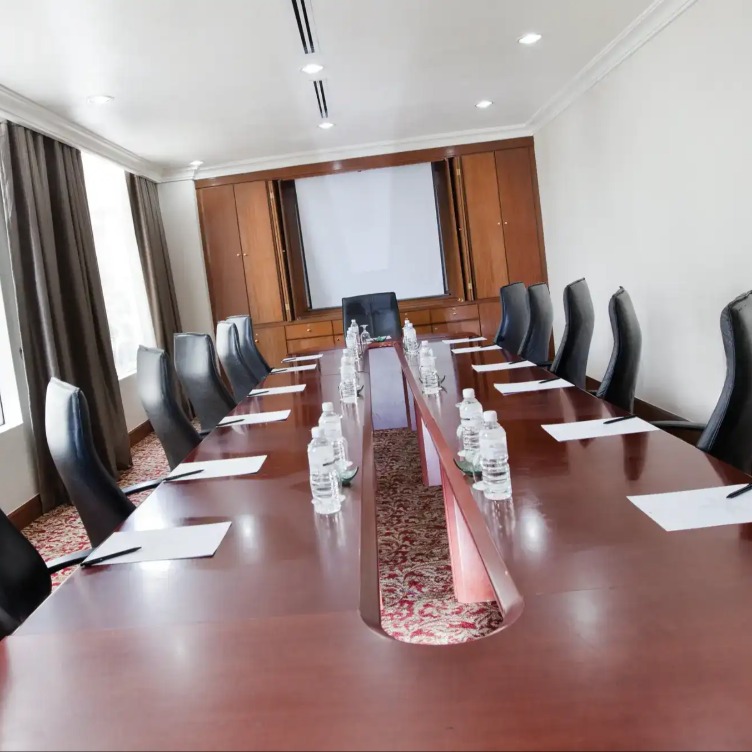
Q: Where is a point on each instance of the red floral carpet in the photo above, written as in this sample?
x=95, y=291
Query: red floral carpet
x=416, y=578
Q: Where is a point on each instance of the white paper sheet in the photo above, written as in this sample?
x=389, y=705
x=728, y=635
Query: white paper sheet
x=462, y=339
x=503, y=366
x=688, y=510
x=188, y=542
x=219, y=468
x=261, y=391
x=457, y=350
x=593, y=429
x=531, y=386
x=302, y=357
x=254, y=418
x=294, y=369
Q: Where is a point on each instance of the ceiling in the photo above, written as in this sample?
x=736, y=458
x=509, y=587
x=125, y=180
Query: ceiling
x=220, y=80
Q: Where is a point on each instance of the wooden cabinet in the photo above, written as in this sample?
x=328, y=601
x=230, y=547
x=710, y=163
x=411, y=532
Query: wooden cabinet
x=455, y=327
x=490, y=317
x=417, y=317
x=310, y=343
x=454, y=313
x=311, y=329
x=272, y=344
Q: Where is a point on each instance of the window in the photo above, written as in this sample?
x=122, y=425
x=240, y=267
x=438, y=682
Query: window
x=119, y=263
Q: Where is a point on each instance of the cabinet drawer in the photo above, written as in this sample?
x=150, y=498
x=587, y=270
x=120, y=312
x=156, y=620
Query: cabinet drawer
x=457, y=327
x=423, y=329
x=305, y=331
x=422, y=316
x=339, y=340
x=337, y=326
x=455, y=313
x=309, y=343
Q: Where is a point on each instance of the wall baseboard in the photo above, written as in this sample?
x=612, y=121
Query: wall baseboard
x=139, y=433
x=642, y=409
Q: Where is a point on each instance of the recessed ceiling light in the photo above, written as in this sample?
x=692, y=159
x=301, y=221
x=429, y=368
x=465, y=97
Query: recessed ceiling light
x=326, y=125
x=483, y=104
x=196, y=163
x=530, y=38
x=312, y=69
x=99, y=99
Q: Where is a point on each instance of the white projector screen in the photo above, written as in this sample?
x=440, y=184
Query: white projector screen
x=370, y=231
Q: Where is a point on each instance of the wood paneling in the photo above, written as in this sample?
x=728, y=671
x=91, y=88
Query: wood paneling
x=272, y=343
x=259, y=254
x=454, y=313
x=417, y=317
x=311, y=329
x=222, y=251
x=514, y=172
x=309, y=343
x=337, y=326
x=490, y=317
x=485, y=234
x=450, y=244
x=424, y=329
x=457, y=327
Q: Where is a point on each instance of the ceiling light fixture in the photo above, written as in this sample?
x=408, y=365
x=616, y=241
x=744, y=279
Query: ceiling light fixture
x=483, y=104
x=99, y=99
x=530, y=38
x=326, y=125
x=196, y=164
x=312, y=69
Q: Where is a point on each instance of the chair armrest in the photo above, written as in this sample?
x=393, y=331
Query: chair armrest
x=69, y=560
x=147, y=485
x=683, y=425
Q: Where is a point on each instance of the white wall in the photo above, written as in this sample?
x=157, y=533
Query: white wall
x=645, y=183
x=179, y=209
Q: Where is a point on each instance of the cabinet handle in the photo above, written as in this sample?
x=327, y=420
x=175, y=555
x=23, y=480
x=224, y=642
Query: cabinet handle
x=246, y=255
x=309, y=329
x=454, y=313
x=256, y=340
x=238, y=255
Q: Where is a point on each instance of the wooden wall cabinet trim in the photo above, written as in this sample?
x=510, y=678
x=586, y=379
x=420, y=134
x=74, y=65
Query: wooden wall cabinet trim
x=309, y=343
x=310, y=329
x=272, y=343
x=454, y=313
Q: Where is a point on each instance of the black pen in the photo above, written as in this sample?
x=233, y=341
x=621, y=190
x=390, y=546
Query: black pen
x=183, y=475
x=617, y=420
x=734, y=494
x=551, y=378
x=230, y=422
x=107, y=557
x=258, y=394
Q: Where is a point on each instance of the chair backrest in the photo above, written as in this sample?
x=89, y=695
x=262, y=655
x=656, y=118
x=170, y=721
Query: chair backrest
x=515, y=317
x=101, y=504
x=155, y=380
x=538, y=336
x=571, y=358
x=242, y=379
x=619, y=381
x=379, y=310
x=728, y=434
x=24, y=580
x=251, y=354
x=196, y=366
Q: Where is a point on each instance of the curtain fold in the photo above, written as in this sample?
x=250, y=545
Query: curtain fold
x=155, y=261
x=64, y=328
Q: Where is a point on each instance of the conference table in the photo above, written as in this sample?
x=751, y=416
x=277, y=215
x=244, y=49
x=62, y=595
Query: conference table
x=616, y=634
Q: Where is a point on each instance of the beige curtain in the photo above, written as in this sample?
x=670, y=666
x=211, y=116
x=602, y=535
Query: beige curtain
x=64, y=329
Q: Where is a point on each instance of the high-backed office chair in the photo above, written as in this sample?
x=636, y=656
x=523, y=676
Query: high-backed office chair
x=100, y=503
x=253, y=357
x=620, y=379
x=728, y=433
x=571, y=358
x=538, y=336
x=24, y=576
x=155, y=380
x=515, y=317
x=196, y=366
x=237, y=371
x=379, y=310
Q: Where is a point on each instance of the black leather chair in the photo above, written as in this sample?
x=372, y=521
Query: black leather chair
x=155, y=380
x=24, y=576
x=728, y=433
x=196, y=366
x=619, y=381
x=535, y=345
x=571, y=358
x=250, y=352
x=241, y=378
x=101, y=504
x=379, y=310
x=515, y=317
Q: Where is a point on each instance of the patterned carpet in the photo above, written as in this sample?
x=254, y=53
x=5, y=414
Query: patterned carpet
x=416, y=578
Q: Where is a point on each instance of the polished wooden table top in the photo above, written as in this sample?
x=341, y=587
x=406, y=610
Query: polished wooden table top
x=617, y=634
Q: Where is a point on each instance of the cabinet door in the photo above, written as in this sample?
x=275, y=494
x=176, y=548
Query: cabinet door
x=490, y=317
x=272, y=344
x=514, y=169
x=259, y=253
x=488, y=255
x=457, y=327
x=222, y=251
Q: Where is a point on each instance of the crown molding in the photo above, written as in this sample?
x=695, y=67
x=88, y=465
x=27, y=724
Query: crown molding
x=655, y=18
x=348, y=152
x=23, y=111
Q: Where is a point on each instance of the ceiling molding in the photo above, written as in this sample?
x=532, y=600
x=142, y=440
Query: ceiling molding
x=23, y=111
x=348, y=152
x=655, y=18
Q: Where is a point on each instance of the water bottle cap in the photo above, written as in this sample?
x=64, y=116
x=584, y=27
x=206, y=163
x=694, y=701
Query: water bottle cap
x=489, y=416
x=327, y=406
x=407, y=321
x=468, y=393
x=316, y=432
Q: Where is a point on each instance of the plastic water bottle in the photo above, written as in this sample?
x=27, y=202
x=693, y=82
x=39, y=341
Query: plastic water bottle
x=331, y=424
x=471, y=421
x=348, y=378
x=494, y=459
x=325, y=483
x=429, y=375
x=352, y=339
x=409, y=338
x=424, y=353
